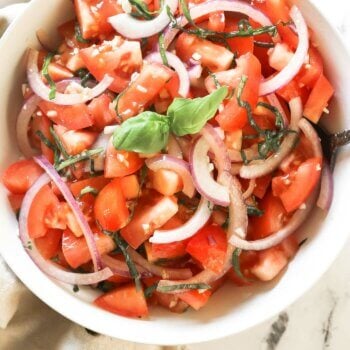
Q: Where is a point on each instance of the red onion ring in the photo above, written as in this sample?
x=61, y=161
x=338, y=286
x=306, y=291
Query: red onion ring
x=202, y=176
x=258, y=168
x=294, y=223
x=174, y=148
x=179, y=67
x=312, y=136
x=22, y=125
x=48, y=267
x=43, y=91
x=163, y=272
x=274, y=101
x=291, y=70
x=215, y=6
x=133, y=28
x=165, y=161
x=325, y=197
x=236, y=156
x=90, y=240
x=190, y=228
x=249, y=191
x=194, y=73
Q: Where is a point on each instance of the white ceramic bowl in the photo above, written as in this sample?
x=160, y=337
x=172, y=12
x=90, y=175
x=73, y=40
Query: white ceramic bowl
x=231, y=310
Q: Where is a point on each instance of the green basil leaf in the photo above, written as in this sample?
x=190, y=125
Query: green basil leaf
x=188, y=116
x=146, y=133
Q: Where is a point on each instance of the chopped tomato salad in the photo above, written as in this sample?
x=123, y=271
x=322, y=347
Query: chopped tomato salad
x=170, y=148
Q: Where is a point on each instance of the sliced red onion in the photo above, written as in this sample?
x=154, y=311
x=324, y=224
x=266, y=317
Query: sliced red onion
x=179, y=67
x=161, y=271
x=195, y=223
x=274, y=101
x=294, y=223
x=217, y=146
x=202, y=175
x=120, y=268
x=22, y=126
x=89, y=236
x=174, y=148
x=132, y=28
x=238, y=224
x=258, y=168
x=325, y=197
x=46, y=266
x=249, y=191
x=165, y=161
x=208, y=7
x=43, y=91
x=291, y=70
x=311, y=134
x=236, y=156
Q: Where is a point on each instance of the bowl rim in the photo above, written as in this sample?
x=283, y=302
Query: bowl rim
x=64, y=297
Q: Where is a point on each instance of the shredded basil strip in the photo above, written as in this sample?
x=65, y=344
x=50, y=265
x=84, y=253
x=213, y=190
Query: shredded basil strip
x=162, y=51
x=279, y=118
x=264, y=44
x=142, y=9
x=183, y=286
x=254, y=211
x=45, y=140
x=236, y=264
x=148, y=292
x=78, y=35
x=45, y=73
x=75, y=288
x=86, y=190
x=84, y=75
x=123, y=246
x=85, y=155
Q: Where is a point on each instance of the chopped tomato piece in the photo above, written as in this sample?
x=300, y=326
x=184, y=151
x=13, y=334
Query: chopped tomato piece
x=43, y=201
x=20, y=176
x=118, y=58
x=233, y=116
x=271, y=221
x=75, y=141
x=280, y=56
x=166, y=182
x=213, y=56
x=15, y=201
x=67, y=31
x=153, y=77
x=93, y=16
x=261, y=186
x=130, y=186
x=111, y=211
x=102, y=111
x=216, y=21
x=58, y=72
x=300, y=186
x=49, y=245
x=318, y=99
x=119, y=163
x=125, y=301
x=71, y=117
x=76, y=251
x=209, y=246
x=151, y=213
x=292, y=90
x=97, y=183
x=195, y=298
x=311, y=71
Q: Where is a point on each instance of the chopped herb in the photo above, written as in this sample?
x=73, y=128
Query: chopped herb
x=264, y=44
x=45, y=73
x=254, y=211
x=45, y=140
x=303, y=242
x=86, y=190
x=162, y=51
x=150, y=290
x=84, y=75
x=75, y=288
x=29, y=245
x=71, y=160
x=142, y=9
x=105, y=286
x=216, y=81
x=279, y=118
x=55, y=259
x=183, y=286
x=58, y=143
x=123, y=246
x=78, y=35
x=244, y=158
x=236, y=264
x=116, y=103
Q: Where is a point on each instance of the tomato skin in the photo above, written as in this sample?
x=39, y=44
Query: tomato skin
x=271, y=221
x=293, y=90
x=318, y=99
x=166, y=182
x=58, y=72
x=194, y=298
x=209, y=246
x=213, y=56
x=153, y=77
x=306, y=178
x=118, y=58
x=233, y=116
x=110, y=209
x=44, y=200
x=76, y=251
x=151, y=213
x=119, y=163
x=21, y=175
x=261, y=186
x=124, y=301
x=15, y=201
x=49, y=245
x=130, y=186
x=102, y=112
x=97, y=182
x=71, y=117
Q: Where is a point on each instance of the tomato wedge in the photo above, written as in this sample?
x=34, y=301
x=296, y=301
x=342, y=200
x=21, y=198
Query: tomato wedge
x=102, y=111
x=49, y=245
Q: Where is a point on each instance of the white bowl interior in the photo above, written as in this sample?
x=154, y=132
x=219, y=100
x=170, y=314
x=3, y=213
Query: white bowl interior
x=232, y=309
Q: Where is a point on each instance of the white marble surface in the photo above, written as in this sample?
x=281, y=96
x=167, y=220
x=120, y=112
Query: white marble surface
x=320, y=319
